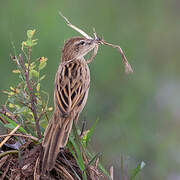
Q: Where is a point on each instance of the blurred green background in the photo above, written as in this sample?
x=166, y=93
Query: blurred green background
x=139, y=114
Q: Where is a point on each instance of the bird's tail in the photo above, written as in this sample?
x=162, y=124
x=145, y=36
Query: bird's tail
x=56, y=137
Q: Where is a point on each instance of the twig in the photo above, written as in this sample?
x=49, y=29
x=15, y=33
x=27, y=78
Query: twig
x=36, y=174
x=8, y=114
x=8, y=152
x=45, y=107
x=99, y=41
x=93, y=54
x=97, y=162
x=128, y=68
x=3, y=160
x=12, y=132
x=5, y=172
x=64, y=172
x=21, y=135
x=25, y=104
x=74, y=27
x=32, y=97
x=69, y=163
x=41, y=115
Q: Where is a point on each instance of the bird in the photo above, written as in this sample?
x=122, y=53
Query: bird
x=71, y=89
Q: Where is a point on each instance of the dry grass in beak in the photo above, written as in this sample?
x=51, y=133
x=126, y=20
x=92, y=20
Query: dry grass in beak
x=127, y=66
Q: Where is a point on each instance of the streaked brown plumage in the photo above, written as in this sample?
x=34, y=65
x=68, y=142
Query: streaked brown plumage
x=70, y=94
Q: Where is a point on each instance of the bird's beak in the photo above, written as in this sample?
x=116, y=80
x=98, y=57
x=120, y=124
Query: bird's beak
x=90, y=41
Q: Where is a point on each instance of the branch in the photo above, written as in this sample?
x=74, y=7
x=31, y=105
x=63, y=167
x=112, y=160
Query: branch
x=32, y=97
x=12, y=132
x=20, y=135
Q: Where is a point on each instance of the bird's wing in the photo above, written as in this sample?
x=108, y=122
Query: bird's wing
x=72, y=83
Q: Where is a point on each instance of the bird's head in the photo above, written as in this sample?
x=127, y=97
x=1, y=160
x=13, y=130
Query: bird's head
x=77, y=47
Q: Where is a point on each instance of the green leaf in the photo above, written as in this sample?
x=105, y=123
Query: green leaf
x=42, y=77
x=139, y=167
x=94, y=158
x=91, y=132
x=42, y=65
x=34, y=42
x=11, y=99
x=16, y=71
x=3, y=130
x=79, y=156
x=28, y=43
x=9, y=126
x=30, y=33
x=32, y=65
x=77, y=146
x=34, y=73
x=21, y=77
x=39, y=102
x=14, y=124
x=38, y=87
x=21, y=110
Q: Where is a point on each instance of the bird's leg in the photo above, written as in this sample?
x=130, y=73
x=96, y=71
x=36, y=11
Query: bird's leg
x=93, y=54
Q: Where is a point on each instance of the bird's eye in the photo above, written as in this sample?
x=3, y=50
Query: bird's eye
x=82, y=43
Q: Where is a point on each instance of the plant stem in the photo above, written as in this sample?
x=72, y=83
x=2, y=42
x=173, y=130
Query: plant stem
x=29, y=59
x=8, y=152
x=32, y=97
